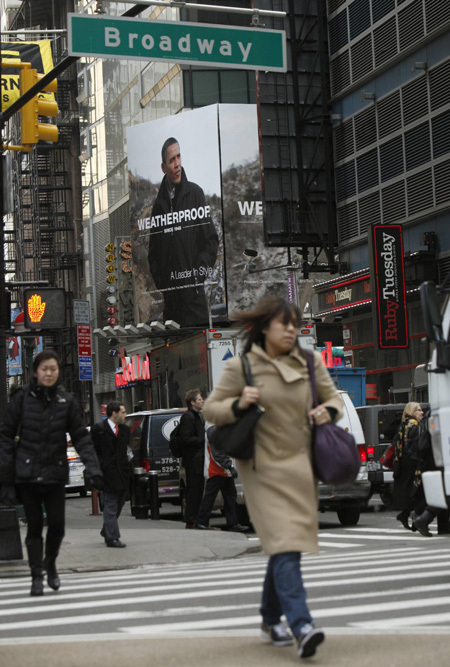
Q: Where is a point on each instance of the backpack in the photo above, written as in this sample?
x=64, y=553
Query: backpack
x=175, y=441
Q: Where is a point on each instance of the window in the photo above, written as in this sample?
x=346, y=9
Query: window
x=202, y=87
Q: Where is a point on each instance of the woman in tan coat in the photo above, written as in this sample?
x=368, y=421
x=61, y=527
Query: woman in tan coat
x=279, y=483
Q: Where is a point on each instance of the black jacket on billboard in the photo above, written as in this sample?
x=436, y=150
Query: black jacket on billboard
x=182, y=251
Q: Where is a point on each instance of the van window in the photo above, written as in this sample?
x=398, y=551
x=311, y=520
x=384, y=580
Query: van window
x=388, y=423
x=136, y=425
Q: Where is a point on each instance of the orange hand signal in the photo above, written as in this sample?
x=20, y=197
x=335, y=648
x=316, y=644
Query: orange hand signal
x=36, y=308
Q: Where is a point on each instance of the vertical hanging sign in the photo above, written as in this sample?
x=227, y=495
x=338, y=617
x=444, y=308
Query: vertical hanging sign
x=84, y=351
x=389, y=297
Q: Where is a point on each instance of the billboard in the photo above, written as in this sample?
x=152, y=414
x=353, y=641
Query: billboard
x=195, y=206
x=39, y=54
x=243, y=212
x=176, y=217
x=389, y=279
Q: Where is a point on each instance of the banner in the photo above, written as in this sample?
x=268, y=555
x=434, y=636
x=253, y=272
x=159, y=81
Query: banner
x=194, y=211
x=243, y=214
x=39, y=54
x=389, y=295
x=176, y=218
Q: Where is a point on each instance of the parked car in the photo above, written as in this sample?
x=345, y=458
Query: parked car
x=76, y=470
x=347, y=500
x=149, y=442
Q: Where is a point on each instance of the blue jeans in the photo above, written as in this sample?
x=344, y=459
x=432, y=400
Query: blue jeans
x=284, y=593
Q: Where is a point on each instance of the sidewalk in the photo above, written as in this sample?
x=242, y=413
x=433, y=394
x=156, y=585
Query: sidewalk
x=148, y=543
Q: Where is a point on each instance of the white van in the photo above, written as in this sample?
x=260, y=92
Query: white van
x=347, y=500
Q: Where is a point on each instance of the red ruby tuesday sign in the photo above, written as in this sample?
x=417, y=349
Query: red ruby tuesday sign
x=390, y=293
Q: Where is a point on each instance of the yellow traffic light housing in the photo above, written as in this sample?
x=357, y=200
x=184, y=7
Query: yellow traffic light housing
x=32, y=130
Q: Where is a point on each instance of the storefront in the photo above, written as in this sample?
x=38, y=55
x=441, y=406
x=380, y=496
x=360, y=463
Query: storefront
x=390, y=372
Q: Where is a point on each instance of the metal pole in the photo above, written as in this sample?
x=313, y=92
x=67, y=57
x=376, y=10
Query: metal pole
x=4, y=316
x=154, y=494
x=214, y=8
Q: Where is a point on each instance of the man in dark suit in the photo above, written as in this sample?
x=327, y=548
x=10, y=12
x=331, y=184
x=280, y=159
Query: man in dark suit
x=111, y=439
x=192, y=437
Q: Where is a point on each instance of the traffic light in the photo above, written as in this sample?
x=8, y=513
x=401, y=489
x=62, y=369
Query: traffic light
x=32, y=130
x=44, y=308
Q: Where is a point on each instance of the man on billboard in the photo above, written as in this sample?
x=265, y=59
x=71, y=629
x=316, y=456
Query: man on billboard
x=183, y=242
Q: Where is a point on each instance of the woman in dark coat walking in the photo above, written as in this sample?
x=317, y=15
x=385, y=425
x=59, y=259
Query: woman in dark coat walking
x=408, y=492
x=33, y=458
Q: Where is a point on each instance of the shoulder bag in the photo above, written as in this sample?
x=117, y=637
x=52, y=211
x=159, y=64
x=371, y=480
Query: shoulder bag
x=335, y=456
x=236, y=440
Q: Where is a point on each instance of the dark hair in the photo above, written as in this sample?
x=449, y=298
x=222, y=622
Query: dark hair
x=113, y=406
x=44, y=356
x=168, y=142
x=191, y=395
x=267, y=309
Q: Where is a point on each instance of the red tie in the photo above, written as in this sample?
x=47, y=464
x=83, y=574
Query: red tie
x=117, y=429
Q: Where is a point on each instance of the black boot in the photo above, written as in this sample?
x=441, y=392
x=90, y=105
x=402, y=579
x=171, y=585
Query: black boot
x=34, y=549
x=422, y=522
x=403, y=518
x=52, y=545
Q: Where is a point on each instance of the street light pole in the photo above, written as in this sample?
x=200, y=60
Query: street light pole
x=4, y=316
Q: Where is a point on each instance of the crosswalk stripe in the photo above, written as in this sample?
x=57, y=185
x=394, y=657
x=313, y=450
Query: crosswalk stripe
x=206, y=624
x=414, y=621
x=311, y=571
x=194, y=594
x=412, y=536
x=338, y=545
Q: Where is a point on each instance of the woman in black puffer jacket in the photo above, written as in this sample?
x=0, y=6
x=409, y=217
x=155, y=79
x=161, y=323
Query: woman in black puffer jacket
x=33, y=456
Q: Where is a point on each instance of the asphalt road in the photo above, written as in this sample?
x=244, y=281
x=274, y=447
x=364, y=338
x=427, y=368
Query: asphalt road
x=381, y=593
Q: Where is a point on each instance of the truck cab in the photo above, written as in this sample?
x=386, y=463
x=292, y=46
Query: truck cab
x=436, y=483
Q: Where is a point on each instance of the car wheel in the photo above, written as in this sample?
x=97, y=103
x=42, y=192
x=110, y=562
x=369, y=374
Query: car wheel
x=349, y=516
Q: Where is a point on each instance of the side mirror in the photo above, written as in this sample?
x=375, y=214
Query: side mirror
x=431, y=313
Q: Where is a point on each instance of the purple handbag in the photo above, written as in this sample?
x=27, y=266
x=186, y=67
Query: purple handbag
x=335, y=456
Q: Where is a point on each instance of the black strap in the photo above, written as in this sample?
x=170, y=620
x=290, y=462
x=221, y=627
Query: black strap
x=248, y=377
x=312, y=377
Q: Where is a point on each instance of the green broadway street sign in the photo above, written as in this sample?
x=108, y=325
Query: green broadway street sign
x=187, y=43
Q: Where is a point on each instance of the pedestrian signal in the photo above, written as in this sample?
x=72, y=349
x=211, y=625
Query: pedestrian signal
x=44, y=308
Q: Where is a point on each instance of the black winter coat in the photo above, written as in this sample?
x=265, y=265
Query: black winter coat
x=192, y=436
x=180, y=261
x=112, y=454
x=408, y=490
x=45, y=415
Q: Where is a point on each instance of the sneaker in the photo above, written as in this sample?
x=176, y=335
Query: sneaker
x=308, y=640
x=277, y=634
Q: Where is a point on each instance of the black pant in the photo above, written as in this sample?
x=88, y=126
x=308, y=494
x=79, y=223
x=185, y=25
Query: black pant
x=213, y=486
x=195, y=484
x=53, y=496
x=112, y=507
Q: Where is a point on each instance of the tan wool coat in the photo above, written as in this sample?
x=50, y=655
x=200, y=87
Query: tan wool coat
x=279, y=485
